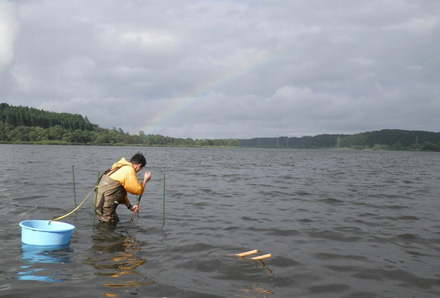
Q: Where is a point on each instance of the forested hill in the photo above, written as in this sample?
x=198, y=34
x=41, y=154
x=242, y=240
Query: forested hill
x=25, y=116
x=24, y=125
x=387, y=139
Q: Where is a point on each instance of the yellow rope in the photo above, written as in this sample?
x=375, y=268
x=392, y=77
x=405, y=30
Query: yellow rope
x=61, y=217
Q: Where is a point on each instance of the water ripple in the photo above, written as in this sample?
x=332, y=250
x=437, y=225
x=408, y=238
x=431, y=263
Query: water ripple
x=337, y=223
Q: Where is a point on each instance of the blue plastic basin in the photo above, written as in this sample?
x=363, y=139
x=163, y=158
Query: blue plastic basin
x=41, y=232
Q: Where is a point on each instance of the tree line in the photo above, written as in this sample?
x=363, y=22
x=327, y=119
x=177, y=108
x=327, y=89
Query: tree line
x=26, y=125
x=31, y=117
x=386, y=139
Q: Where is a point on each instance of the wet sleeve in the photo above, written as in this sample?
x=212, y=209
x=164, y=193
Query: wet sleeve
x=126, y=200
x=131, y=183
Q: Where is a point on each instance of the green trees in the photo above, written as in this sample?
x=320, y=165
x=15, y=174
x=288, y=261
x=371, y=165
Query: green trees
x=387, y=139
x=29, y=125
x=30, y=117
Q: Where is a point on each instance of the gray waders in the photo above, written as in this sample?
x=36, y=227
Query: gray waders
x=110, y=194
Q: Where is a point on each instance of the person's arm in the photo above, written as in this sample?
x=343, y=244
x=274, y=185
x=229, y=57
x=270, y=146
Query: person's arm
x=132, y=184
x=135, y=208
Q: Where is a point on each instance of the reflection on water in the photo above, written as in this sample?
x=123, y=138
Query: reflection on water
x=39, y=260
x=263, y=265
x=116, y=257
x=257, y=290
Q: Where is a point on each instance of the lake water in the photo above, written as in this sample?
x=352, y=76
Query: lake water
x=338, y=224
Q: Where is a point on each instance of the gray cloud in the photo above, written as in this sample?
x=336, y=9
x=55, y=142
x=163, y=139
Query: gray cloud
x=218, y=69
x=8, y=29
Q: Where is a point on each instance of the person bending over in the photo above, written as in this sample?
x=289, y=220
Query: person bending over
x=114, y=185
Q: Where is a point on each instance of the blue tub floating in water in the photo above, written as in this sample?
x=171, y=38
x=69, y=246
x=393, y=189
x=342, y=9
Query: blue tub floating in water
x=43, y=232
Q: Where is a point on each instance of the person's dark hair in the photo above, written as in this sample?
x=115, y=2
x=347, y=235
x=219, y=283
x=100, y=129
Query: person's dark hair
x=138, y=158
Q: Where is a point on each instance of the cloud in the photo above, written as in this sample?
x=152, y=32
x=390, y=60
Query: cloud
x=226, y=68
x=149, y=40
x=8, y=31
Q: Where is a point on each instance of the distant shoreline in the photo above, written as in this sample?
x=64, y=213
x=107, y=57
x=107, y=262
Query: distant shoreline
x=23, y=125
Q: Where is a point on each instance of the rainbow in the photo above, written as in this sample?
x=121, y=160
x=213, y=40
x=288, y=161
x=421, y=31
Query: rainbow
x=197, y=94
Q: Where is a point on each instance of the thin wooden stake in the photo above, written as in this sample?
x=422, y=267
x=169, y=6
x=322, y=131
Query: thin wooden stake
x=262, y=257
x=96, y=202
x=163, y=204
x=247, y=253
x=74, y=187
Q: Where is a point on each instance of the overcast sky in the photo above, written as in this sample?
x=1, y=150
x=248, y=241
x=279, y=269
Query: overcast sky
x=226, y=69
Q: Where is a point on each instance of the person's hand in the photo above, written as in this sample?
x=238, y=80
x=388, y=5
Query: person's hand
x=135, y=209
x=147, y=176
